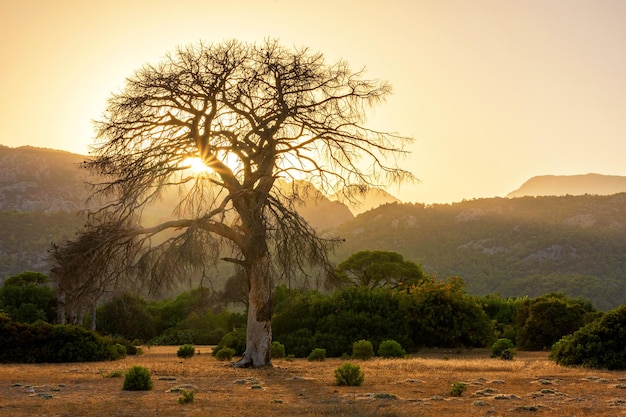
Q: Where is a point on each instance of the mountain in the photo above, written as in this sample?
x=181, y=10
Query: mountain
x=45, y=180
x=372, y=198
x=595, y=184
x=43, y=190
x=318, y=210
x=516, y=247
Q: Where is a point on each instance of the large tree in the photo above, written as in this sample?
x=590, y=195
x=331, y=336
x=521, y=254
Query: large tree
x=253, y=114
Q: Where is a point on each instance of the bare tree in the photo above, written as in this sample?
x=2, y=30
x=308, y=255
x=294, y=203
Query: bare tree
x=252, y=114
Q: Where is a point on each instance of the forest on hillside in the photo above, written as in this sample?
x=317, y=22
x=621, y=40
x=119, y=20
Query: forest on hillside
x=515, y=247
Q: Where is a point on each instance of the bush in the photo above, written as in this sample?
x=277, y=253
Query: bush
x=186, y=397
x=391, y=349
x=138, y=379
x=501, y=346
x=458, y=388
x=362, y=349
x=235, y=340
x=42, y=342
x=599, y=344
x=277, y=350
x=186, y=351
x=317, y=354
x=350, y=375
x=225, y=354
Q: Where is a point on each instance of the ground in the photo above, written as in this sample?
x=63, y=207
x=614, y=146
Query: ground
x=418, y=386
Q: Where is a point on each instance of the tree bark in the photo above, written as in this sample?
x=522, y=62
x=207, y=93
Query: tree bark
x=259, y=328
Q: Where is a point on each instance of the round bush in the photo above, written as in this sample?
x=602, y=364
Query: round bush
x=235, y=340
x=225, y=354
x=277, y=350
x=599, y=344
x=350, y=375
x=317, y=354
x=138, y=379
x=362, y=349
x=186, y=351
x=391, y=349
x=500, y=346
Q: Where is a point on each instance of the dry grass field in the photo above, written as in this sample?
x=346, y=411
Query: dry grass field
x=419, y=386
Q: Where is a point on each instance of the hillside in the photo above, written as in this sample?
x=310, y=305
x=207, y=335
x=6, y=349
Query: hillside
x=516, y=247
x=594, y=184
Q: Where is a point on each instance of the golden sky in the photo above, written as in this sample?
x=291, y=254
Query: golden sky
x=494, y=92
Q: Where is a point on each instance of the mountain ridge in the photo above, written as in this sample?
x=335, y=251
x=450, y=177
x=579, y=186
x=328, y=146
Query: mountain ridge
x=594, y=184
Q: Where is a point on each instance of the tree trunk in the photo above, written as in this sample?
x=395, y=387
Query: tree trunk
x=259, y=328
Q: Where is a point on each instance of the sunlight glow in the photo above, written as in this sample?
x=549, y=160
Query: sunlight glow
x=196, y=165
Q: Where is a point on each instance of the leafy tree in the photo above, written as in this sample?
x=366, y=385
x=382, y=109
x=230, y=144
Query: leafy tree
x=28, y=297
x=599, y=344
x=548, y=318
x=378, y=269
x=126, y=315
x=252, y=114
x=441, y=314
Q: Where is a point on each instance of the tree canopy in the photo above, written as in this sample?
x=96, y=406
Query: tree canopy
x=252, y=114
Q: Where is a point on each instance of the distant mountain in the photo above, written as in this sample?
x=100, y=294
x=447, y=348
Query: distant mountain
x=37, y=179
x=374, y=197
x=594, y=184
x=43, y=190
x=515, y=247
x=317, y=209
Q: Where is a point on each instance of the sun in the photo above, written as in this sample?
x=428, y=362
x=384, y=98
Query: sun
x=196, y=165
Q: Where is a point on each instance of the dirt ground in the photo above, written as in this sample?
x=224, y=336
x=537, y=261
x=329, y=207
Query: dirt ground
x=418, y=386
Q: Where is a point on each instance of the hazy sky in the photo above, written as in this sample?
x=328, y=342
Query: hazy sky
x=494, y=92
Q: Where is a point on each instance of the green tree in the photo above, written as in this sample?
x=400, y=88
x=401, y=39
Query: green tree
x=599, y=344
x=251, y=114
x=377, y=269
x=28, y=297
x=546, y=319
x=126, y=315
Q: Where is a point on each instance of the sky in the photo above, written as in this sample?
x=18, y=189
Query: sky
x=493, y=92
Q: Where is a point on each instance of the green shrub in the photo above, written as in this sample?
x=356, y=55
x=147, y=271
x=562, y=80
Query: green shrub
x=225, y=354
x=235, y=340
x=350, y=375
x=508, y=354
x=317, y=354
x=391, y=349
x=186, y=397
x=500, y=346
x=138, y=379
x=458, y=388
x=599, y=344
x=362, y=349
x=277, y=350
x=186, y=351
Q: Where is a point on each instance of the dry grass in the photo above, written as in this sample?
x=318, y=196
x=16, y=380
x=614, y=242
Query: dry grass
x=420, y=386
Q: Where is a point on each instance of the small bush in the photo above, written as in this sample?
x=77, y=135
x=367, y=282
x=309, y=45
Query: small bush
x=391, y=349
x=458, y=388
x=500, y=346
x=317, y=354
x=508, y=355
x=138, y=379
x=235, y=340
x=362, y=349
x=277, y=350
x=186, y=351
x=225, y=354
x=349, y=375
x=186, y=397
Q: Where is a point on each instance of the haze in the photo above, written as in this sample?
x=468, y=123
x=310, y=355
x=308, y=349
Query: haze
x=494, y=92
